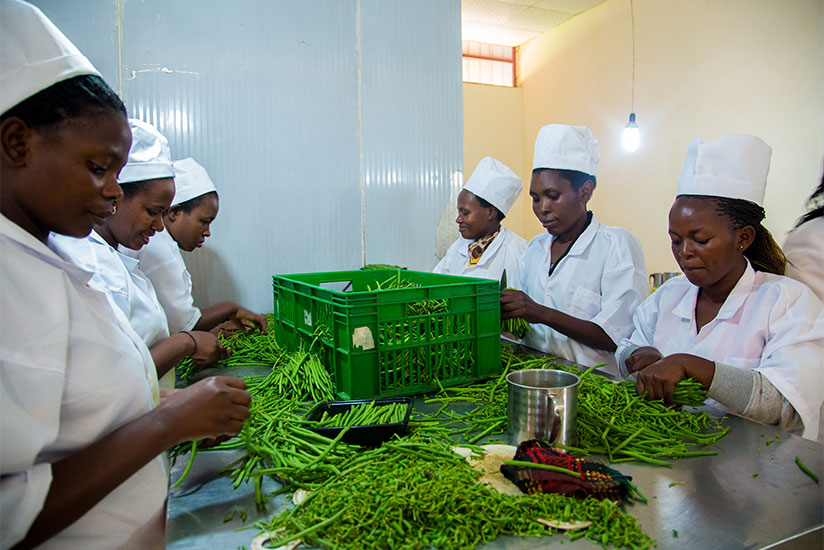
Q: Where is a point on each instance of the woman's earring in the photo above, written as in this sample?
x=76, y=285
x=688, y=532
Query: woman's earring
x=114, y=209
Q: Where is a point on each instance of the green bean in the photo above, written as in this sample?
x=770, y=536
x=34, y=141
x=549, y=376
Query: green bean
x=805, y=469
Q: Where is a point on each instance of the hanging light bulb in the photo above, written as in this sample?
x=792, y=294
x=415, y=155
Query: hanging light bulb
x=631, y=138
x=632, y=135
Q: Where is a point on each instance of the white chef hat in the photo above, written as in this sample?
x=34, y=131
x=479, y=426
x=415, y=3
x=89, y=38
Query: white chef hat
x=34, y=54
x=191, y=181
x=733, y=166
x=149, y=157
x=495, y=183
x=562, y=147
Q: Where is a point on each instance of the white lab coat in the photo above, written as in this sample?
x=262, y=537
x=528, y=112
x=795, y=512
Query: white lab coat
x=131, y=290
x=804, y=248
x=601, y=279
x=162, y=262
x=502, y=253
x=769, y=323
x=71, y=371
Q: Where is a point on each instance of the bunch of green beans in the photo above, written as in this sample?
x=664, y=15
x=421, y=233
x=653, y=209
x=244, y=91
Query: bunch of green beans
x=689, y=393
x=363, y=414
x=249, y=347
x=516, y=326
x=416, y=494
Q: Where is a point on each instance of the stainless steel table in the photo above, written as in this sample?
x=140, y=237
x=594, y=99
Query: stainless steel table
x=715, y=502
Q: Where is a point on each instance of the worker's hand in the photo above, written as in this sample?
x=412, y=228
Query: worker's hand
x=658, y=379
x=211, y=408
x=642, y=358
x=209, y=349
x=243, y=319
x=515, y=303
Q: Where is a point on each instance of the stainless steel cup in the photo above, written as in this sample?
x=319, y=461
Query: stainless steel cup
x=542, y=404
x=657, y=279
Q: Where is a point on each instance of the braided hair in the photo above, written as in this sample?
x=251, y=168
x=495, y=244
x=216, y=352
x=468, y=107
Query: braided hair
x=68, y=99
x=764, y=253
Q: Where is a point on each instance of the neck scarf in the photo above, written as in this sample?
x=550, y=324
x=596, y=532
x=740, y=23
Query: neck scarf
x=477, y=248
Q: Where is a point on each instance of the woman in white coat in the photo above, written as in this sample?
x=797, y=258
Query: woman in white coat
x=194, y=207
x=579, y=282
x=752, y=337
x=148, y=187
x=804, y=246
x=83, y=436
x=485, y=249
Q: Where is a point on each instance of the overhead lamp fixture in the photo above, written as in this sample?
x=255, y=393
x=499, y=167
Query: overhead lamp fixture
x=632, y=134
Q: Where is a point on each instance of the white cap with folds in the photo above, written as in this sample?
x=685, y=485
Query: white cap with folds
x=562, y=147
x=191, y=181
x=495, y=183
x=149, y=157
x=34, y=54
x=733, y=166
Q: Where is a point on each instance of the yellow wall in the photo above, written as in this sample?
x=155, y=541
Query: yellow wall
x=704, y=68
x=493, y=126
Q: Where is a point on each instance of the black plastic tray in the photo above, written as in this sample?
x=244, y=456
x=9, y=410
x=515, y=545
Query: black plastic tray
x=369, y=435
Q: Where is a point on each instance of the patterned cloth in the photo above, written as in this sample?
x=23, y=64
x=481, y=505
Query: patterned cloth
x=477, y=248
x=592, y=479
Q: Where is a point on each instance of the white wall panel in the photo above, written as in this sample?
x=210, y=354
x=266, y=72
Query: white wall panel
x=301, y=112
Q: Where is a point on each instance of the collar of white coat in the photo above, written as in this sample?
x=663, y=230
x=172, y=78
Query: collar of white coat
x=28, y=242
x=128, y=261
x=686, y=308
x=490, y=250
x=583, y=240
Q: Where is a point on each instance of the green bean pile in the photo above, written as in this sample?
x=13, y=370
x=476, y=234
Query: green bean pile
x=422, y=307
x=415, y=494
x=363, y=414
x=612, y=420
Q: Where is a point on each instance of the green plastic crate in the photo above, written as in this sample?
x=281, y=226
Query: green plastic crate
x=378, y=343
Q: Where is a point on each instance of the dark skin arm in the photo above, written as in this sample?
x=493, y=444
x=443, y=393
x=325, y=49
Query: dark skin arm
x=172, y=350
x=240, y=317
x=658, y=379
x=515, y=303
x=213, y=407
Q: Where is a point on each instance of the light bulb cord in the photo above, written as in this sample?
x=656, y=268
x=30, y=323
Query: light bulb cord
x=632, y=18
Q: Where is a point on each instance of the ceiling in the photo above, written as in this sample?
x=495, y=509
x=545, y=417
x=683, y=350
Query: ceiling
x=513, y=22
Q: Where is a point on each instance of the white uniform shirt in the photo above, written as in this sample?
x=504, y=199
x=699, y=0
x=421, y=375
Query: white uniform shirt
x=804, y=248
x=72, y=370
x=502, y=253
x=162, y=262
x=601, y=279
x=131, y=290
x=769, y=323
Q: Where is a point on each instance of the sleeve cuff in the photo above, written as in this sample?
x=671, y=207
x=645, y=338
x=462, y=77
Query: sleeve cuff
x=732, y=387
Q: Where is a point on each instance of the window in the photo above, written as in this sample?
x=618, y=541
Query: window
x=488, y=64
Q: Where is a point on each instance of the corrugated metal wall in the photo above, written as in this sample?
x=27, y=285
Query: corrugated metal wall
x=330, y=127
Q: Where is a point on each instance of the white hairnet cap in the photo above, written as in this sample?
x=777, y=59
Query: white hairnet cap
x=149, y=157
x=191, y=181
x=495, y=183
x=34, y=54
x=734, y=166
x=562, y=147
